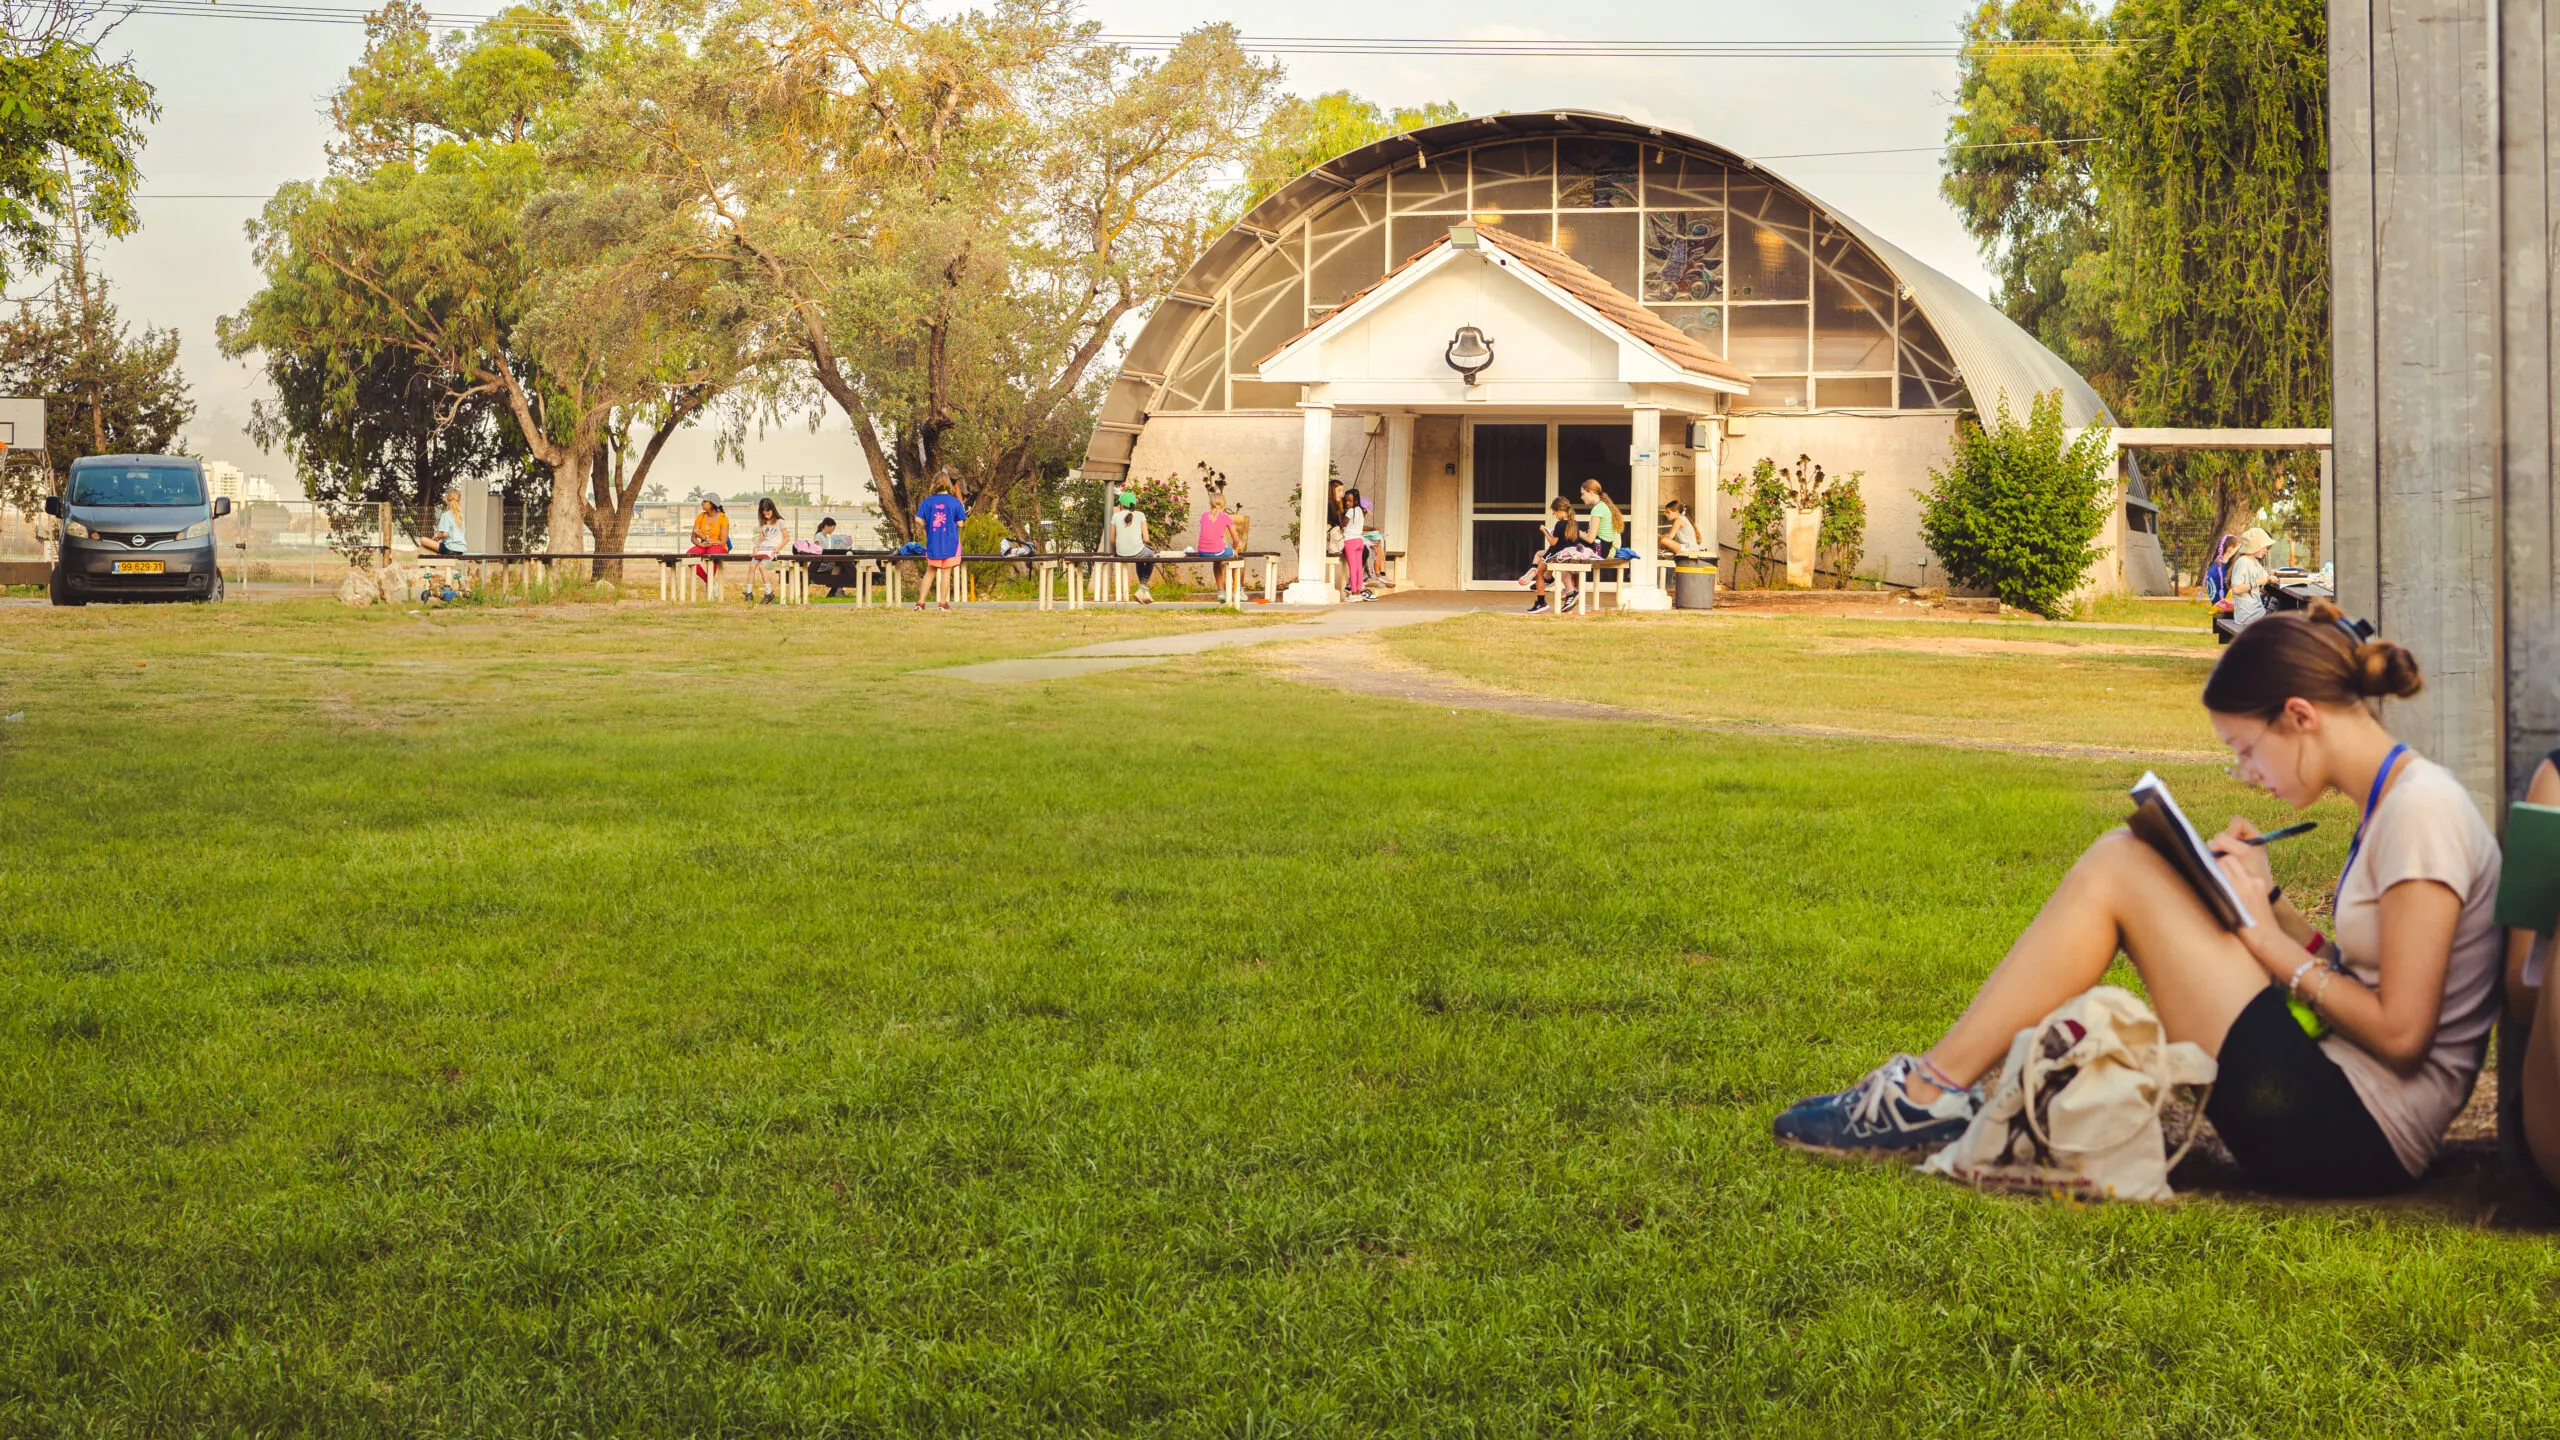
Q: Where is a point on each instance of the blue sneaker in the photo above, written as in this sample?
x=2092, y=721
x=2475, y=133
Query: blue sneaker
x=1875, y=1117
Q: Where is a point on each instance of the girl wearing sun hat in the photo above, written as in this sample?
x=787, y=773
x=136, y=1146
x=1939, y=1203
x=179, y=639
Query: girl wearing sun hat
x=2249, y=577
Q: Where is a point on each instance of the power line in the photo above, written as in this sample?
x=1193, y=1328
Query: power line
x=289, y=11
x=1798, y=155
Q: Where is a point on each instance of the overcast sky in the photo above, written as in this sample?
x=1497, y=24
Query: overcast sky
x=242, y=100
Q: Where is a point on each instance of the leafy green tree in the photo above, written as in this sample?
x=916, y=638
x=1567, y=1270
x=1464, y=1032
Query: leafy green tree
x=1306, y=132
x=2020, y=169
x=2218, y=215
x=106, y=390
x=2018, y=507
x=447, y=237
x=70, y=128
x=365, y=429
x=2180, y=263
x=1002, y=193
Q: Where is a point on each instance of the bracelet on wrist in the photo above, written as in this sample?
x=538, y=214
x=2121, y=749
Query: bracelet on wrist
x=2293, y=984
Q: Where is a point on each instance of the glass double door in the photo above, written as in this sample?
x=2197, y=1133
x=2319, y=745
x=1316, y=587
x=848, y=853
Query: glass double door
x=1515, y=469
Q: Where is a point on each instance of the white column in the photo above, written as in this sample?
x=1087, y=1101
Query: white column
x=1644, y=518
x=1315, y=462
x=1399, y=479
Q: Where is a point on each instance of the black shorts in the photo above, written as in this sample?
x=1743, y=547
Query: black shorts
x=2288, y=1114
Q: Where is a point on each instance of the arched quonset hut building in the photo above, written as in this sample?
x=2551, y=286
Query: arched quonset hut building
x=1661, y=311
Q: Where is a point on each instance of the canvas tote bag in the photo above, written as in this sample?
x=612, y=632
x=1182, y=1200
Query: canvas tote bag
x=2077, y=1107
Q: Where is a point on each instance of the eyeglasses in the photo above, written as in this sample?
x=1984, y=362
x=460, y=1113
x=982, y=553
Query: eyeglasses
x=2244, y=758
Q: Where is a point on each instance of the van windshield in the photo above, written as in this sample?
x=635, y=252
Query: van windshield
x=136, y=485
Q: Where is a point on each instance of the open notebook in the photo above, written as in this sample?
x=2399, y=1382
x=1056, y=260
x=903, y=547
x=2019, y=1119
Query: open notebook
x=2163, y=826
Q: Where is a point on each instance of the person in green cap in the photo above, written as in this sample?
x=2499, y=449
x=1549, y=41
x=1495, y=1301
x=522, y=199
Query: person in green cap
x=1128, y=537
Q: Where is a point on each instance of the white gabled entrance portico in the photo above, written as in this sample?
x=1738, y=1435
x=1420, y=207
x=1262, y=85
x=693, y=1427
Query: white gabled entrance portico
x=1573, y=357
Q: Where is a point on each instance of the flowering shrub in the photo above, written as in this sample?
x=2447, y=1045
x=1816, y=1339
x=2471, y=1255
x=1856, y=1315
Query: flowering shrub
x=1167, y=505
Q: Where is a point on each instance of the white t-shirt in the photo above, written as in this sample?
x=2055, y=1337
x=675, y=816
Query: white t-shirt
x=1129, y=533
x=2426, y=828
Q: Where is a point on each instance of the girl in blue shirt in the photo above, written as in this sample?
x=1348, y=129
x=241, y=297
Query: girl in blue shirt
x=941, y=515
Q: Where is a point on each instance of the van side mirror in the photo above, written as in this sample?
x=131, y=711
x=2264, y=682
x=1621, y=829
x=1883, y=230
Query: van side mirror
x=53, y=506
x=221, y=506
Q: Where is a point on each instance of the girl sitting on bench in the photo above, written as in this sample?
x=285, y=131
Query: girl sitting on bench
x=2352, y=1095
x=1560, y=543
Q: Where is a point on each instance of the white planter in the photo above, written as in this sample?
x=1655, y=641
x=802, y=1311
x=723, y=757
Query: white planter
x=1804, y=537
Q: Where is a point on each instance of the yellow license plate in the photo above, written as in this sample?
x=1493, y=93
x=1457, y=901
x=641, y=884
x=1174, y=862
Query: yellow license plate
x=142, y=567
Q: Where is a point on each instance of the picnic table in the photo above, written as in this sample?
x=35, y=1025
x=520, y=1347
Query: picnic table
x=1588, y=581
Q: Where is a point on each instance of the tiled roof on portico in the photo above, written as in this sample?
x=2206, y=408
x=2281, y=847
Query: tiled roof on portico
x=1616, y=306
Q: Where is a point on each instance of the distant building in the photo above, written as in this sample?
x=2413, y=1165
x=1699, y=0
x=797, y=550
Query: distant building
x=1500, y=308
x=225, y=479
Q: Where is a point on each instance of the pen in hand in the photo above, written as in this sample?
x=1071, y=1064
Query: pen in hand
x=2287, y=833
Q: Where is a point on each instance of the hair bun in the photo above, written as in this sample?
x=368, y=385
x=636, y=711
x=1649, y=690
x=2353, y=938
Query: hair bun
x=2324, y=612
x=2383, y=668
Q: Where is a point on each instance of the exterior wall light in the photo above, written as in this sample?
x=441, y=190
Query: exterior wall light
x=1469, y=353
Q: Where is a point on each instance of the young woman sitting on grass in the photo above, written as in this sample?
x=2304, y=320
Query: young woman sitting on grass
x=2405, y=996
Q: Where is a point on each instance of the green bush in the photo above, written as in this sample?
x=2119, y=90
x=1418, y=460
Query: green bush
x=980, y=534
x=2018, y=506
x=1759, y=526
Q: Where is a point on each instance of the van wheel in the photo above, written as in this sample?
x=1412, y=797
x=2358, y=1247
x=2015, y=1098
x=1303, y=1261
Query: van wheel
x=62, y=593
x=216, y=596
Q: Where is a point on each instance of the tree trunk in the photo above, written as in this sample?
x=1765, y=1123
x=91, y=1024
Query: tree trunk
x=567, y=526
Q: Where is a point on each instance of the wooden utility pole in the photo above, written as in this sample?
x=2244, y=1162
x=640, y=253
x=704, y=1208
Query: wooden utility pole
x=2444, y=134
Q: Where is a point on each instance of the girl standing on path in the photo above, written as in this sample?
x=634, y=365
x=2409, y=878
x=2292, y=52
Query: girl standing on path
x=1355, y=546
x=2404, y=996
x=941, y=514
x=772, y=538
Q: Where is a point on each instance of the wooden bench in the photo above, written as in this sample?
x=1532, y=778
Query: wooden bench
x=1588, y=583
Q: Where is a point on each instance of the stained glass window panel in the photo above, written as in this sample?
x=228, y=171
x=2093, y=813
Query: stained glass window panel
x=1702, y=323
x=1595, y=174
x=1518, y=176
x=1683, y=181
x=1848, y=331
x=1767, y=262
x=1684, y=255
x=1347, y=249
x=1441, y=186
x=1605, y=244
x=1768, y=338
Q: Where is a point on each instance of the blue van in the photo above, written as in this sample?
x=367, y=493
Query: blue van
x=136, y=527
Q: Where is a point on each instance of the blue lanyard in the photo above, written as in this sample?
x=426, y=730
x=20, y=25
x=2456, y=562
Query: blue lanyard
x=2371, y=800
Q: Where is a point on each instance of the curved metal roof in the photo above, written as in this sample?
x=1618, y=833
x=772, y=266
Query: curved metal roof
x=1990, y=350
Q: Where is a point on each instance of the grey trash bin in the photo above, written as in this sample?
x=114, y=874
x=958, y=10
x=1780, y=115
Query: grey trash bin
x=1693, y=585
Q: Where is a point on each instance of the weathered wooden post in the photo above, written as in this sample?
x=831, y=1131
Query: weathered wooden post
x=2442, y=156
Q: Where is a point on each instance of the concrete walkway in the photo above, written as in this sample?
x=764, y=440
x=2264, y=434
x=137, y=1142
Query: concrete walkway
x=1328, y=623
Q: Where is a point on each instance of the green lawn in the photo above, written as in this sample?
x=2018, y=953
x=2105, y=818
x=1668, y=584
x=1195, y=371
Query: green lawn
x=607, y=1021
x=2015, y=683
